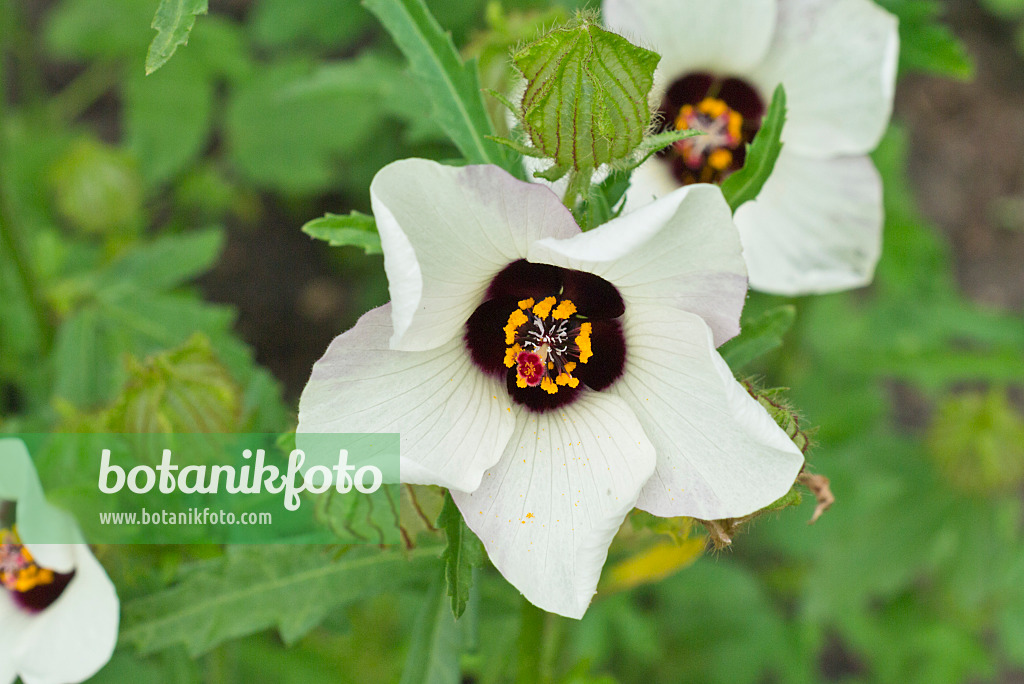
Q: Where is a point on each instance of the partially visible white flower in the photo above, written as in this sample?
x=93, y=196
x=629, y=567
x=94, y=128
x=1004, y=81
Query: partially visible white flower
x=817, y=224
x=59, y=611
x=554, y=379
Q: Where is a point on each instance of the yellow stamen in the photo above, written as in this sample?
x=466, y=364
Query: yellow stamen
x=566, y=379
x=515, y=321
x=548, y=385
x=735, y=124
x=564, y=309
x=570, y=367
x=543, y=308
x=23, y=574
x=713, y=107
x=510, y=355
x=683, y=119
x=583, y=342
x=526, y=303
x=521, y=382
x=720, y=159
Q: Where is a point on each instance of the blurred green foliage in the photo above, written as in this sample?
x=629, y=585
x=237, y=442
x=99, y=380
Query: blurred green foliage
x=117, y=191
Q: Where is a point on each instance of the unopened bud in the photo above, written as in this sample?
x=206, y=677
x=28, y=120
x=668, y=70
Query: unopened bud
x=977, y=443
x=585, y=102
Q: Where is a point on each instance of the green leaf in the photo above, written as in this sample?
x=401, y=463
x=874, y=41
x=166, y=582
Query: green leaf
x=463, y=553
x=289, y=125
x=600, y=204
x=452, y=86
x=585, y=102
x=291, y=588
x=127, y=319
x=169, y=116
x=323, y=26
x=173, y=21
x=354, y=229
x=166, y=262
x=758, y=337
x=80, y=29
x=745, y=184
x=926, y=44
x=434, y=652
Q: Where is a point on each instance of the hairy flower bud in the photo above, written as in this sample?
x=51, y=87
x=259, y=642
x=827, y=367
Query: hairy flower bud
x=98, y=188
x=585, y=102
x=186, y=389
x=977, y=442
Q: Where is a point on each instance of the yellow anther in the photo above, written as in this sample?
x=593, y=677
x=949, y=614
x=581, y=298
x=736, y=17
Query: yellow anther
x=510, y=355
x=521, y=382
x=570, y=367
x=515, y=321
x=735, y=125
x=713, y=107
x=564, y=309
x=583, y=342
x=526, y=303
x=22, y=574
x=683, y=119
x=548, y=385
x=720, y=159
x=543, y=307
x=566, y=379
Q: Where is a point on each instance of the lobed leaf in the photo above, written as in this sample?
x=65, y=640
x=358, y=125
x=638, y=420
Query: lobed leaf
x=745, y=184
x=351, y=230
x=173, y=22
x=463, y=553
x=452, y=86
x=290, y=588
x=759, y=336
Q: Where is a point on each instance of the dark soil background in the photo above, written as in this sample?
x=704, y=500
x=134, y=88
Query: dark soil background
x=967, y=157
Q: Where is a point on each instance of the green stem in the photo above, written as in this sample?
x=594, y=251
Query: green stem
x=23, y=49
x=579, y=185
x=81, y=93
x=536, y=650
x=9, y=241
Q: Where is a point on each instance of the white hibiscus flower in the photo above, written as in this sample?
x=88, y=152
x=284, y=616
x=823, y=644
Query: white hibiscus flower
x=59, y=611
x=554, y=379
x=817, y=224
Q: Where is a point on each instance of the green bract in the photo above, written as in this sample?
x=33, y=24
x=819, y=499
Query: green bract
x=585, y=102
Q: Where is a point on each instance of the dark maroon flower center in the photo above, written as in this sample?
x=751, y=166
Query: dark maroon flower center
x=728, y=110
x=34, y=588
x=551, y=332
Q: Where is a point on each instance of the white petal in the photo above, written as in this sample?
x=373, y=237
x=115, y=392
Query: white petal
x=837, y=60
x=815, y=227
x=682, y=250
x=548, y=511
x=454, y=421
x=13, y=625
x=720, y=455
x=446, y=232
x=651, y=180
x=39, y=523
x=723, y=36
x=73, y=638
